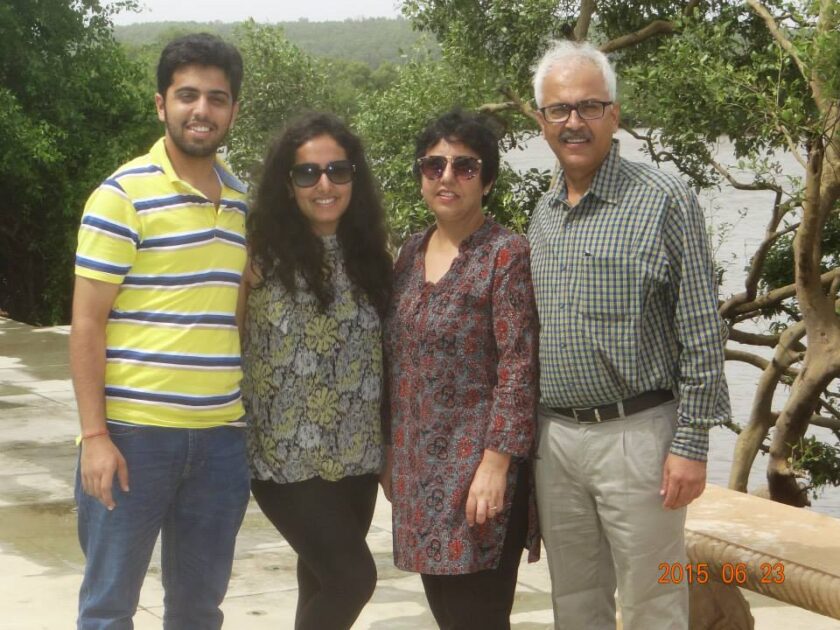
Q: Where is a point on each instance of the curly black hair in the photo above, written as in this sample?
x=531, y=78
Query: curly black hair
x=473, y=130
x=280, y=239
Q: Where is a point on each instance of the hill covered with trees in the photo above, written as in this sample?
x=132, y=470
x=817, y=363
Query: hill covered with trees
x=371, y=41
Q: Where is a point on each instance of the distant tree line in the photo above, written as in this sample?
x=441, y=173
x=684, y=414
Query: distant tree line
x=371, y=41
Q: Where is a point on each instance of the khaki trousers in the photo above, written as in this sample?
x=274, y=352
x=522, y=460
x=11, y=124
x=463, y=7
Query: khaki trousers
x=603, y=524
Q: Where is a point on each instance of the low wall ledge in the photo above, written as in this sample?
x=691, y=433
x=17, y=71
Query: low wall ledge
x=790, y=554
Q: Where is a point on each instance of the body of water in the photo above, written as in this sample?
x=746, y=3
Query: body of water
x=746, y=213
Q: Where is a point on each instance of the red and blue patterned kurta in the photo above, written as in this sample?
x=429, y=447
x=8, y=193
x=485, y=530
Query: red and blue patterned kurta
x=462, y=373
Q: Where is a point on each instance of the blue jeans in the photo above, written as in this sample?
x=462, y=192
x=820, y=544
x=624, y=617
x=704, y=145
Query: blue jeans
x=192, y=487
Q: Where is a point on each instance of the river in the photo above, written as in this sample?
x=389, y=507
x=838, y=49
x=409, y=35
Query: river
x=746, y=213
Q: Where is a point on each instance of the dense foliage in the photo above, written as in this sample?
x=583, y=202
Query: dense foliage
x=280, y=81
x=71, y=109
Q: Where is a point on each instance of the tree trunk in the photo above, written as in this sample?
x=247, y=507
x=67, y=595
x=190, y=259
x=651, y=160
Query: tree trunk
x=820, y=370
x=761, y=418
x=822, y=358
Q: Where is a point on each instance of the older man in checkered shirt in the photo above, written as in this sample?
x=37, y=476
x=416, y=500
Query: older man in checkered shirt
x=631, y=358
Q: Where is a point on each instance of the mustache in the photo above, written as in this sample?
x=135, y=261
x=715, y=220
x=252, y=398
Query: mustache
x=574, y=134
x=200, y=120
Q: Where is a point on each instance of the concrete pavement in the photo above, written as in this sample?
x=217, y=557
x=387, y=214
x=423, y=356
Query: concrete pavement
x=42, y=564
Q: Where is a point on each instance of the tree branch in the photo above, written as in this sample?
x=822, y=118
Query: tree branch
x=587, y=8
x=828, y=20
x=753, y=339
x=492, y=108
x=816, y=420
x=831, y=409
x=814, y=305
x=760, y=256
x=523, y=106
x=656, y=156
x=794, y=150
x=515, y=103
x=750, y=441
x=835, y=287
x=777, y=34
x=756, y=185
x=825, y=423
x=737, y=429
x=772, y=298
x=746, y=357
x=655, y=28
x=760, y=362
x=689, y=8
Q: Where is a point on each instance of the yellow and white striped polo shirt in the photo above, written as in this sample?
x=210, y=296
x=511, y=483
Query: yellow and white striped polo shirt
x=172, y=343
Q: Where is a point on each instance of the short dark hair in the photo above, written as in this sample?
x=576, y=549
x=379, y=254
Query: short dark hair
x=200, y=49
x=473, y=130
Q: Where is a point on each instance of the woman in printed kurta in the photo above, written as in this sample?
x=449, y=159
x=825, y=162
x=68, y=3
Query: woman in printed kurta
x=312, y=356
x=461, y=352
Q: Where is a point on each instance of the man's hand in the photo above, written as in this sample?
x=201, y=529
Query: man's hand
x=683, y=480
x=487, y=491
x=100, y=461
x=385, y=473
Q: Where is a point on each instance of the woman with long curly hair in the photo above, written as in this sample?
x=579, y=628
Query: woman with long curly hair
x=316, y=289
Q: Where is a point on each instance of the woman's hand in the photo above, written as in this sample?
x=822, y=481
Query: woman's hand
x=385, y=473
x=487, y=491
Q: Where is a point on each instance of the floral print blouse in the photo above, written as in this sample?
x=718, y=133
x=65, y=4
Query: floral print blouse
x=462, y=375
x=312, y=381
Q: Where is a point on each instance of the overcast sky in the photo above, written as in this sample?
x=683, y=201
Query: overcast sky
x=260, y=10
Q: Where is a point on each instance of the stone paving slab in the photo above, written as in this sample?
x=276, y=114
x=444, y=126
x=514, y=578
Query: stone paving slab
x=42, y=563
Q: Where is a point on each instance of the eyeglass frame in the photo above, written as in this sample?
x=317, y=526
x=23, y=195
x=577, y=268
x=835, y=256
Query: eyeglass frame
x=575, y=107
x=450, y=161
x=322, y=170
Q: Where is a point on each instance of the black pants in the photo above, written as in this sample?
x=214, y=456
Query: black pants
x=484, y=599
x=325, y=522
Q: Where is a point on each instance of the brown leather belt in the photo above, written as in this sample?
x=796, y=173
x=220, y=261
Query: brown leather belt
x=616, y=411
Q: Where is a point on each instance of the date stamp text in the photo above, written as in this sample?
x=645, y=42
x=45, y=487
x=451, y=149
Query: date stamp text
x=737, y=573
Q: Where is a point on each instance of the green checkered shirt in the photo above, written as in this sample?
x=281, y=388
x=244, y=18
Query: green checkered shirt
x=627, y=300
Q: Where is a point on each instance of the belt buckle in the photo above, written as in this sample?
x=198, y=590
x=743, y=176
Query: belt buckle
x=593, y=409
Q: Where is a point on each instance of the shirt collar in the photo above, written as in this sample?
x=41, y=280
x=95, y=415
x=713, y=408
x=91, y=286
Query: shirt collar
x=471, y=242
x=161, y=158
x=605, y=184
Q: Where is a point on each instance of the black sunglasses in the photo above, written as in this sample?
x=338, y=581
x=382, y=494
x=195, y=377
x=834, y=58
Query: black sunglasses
x=463, y=166
x=307, y=175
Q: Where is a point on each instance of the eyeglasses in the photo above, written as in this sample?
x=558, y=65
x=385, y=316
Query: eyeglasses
x=307, y=175
x=587, y=110
x=463, y=166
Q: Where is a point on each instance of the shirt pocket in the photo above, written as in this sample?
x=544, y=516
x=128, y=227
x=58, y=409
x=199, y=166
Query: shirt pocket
x=607, y=287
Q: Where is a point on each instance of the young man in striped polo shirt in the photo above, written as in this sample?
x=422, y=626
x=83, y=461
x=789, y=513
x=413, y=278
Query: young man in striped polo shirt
x=154, y=353
x=631, y=359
